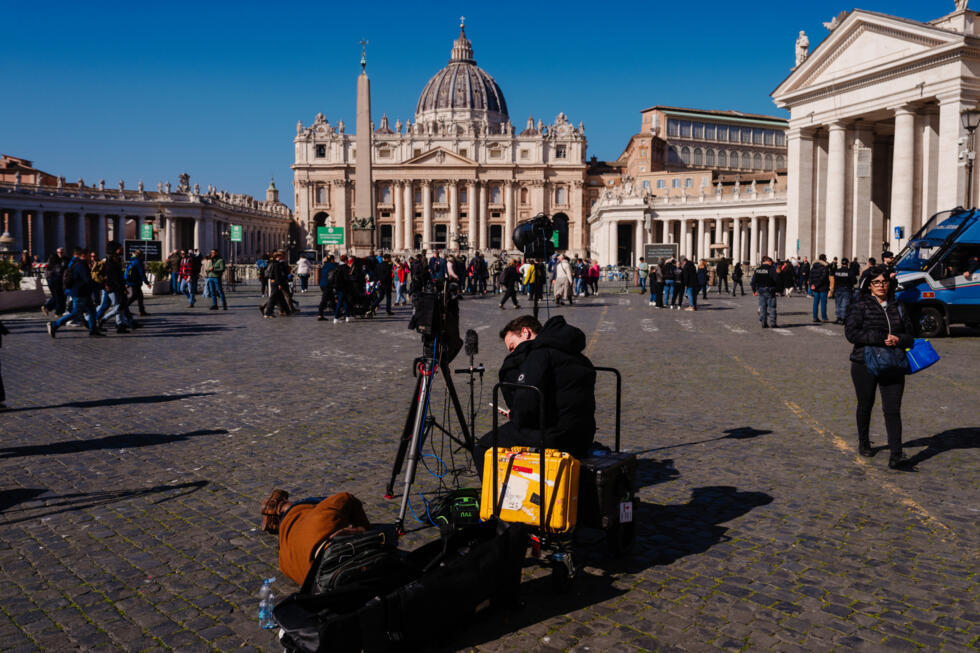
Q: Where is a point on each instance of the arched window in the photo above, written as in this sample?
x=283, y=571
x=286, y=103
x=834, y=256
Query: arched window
x=780, y=162
x=768, y=162
x=440, y=194
x=495, y=195
x=524, y=197
x=561, y=196
x=673, y=156
x=697, y=157
x=722, y=159
x=321, y=195
x=746, y=160
x=386, y=194
x=757, y=161
x=732, y=159
x=686, y=155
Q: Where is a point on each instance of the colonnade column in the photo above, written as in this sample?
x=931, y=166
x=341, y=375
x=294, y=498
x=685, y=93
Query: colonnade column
x=736, y=251
x=903, y=171
x=37, y=234
x=426, y=214
x=409, y=216
x=771, y=242
x=639, y=239
x=197, y=233
x=836, y=199
x=688, y=238
x=399, y=236
x=702, y=239
x=471, y=211
x=952, y=182
x=509, y=190
x=80, y=231
x=754, y=241
x=668, y=231
x=799, y=192
x=482, y=236
x=14, y=222
x=453, y=213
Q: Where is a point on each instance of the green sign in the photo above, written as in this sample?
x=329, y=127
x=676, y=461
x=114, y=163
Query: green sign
x=554, y=238
x=329, y=235
x=146, y=231
x=236, y=233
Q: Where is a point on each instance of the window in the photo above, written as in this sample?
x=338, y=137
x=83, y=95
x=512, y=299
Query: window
x=462, y=196
x=321, y=151
x=697, y=157
x=757, y=161
x=780, y=162
x=386, y=236
x=734, y=134
x=525, y=154
x=709, y=132
x=386, y=194
x=746, y=160
x=709, y=157
x=698, y=130
x=560, y=151
x=561, y=196
x=688, y=182
x=495, y=195
x=733, y=159
x=686, y=155
x=496, y=153
x=440, y=238
x=768, y=162
x=757, y=136
x=770, y=137
x=463, y=151
x=646, y=184
x=673, y=128
x=418, y=195
x=746, y=135
x=643, y=152
x=661, y=183
x=781, y=139
x=722, y=132
x=675, y=182
x=321, y=195
x=496, y=236
x=384, y=153
x=685, y=129
x=722, y=159
x=440, y=194
x=523, y=197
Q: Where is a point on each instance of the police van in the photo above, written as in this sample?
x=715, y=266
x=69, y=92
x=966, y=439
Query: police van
x=932, y=272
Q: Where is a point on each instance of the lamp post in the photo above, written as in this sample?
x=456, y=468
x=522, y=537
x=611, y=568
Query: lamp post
x=232, y=246
x=971, y=120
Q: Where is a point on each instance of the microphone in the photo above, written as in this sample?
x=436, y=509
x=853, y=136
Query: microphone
x=472, y=343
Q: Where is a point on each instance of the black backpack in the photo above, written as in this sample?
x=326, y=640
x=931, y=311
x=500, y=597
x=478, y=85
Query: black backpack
x=68, y=277
x=362, y=559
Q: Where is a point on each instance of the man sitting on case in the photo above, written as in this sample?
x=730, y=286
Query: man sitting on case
x=550, y=358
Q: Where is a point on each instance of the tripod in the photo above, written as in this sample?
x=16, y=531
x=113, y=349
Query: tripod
x=419, y=424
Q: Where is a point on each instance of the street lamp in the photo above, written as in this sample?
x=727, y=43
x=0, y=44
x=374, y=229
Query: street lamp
x=233, y=247
x=971, y=120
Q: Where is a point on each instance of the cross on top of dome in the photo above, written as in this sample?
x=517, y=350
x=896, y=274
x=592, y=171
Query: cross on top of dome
x=462, y=49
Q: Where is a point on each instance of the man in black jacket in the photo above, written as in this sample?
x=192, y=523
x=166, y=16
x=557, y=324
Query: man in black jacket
x=765, y=286
x=383, y=271
x=550, y=358
x=277, y=273
x=53, y=274
x=721, y=274
x=844, y=280
x=689, y=280
x=114, y=291
x=509, y=279
x=819, y=287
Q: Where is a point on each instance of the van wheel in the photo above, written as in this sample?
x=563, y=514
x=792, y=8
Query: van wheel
x=931, y=322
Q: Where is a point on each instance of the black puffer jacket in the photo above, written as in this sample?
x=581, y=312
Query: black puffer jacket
x=553, y=362
x=868, y=323
x=820, y=277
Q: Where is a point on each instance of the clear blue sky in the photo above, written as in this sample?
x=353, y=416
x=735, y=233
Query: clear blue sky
x=149, y=90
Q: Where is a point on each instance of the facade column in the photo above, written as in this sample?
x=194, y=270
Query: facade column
x=903, y=174
x=799, y=193
x=702, y=240
x=736, y=251
x=59, y=232
x=14, y=224
x=929, y=156
x=81, y=231
x=861, y=184
x=771, y=242
x=952, y=178
x=409, y=214
x=453, y=214
x=509, y=189
x=37, y=235
x=612, y=243
x=668, y=231
x=482, y=236
x=754, y=240
x=426, y=214
x=340, y=201
x=471, y=211
x=639, y=238
x=398, y=241
x=836, y=199
x=688, y=238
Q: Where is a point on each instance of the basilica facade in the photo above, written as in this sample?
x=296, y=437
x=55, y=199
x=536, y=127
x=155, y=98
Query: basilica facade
x=459, y=176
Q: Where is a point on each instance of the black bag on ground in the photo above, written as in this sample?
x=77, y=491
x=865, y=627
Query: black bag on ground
x=605, y=481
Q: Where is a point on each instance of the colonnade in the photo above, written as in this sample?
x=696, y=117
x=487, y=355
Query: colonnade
x=746, y=238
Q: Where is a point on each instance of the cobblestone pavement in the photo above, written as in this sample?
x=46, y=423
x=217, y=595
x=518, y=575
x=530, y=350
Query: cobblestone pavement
x=133, y=467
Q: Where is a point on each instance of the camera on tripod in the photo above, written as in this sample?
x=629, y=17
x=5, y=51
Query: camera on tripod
x=541, y=236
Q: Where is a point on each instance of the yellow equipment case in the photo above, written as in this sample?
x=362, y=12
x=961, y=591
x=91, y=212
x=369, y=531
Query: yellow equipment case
x=519, y=487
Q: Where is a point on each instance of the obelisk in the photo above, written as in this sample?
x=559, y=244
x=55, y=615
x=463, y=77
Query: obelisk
x=363, y=173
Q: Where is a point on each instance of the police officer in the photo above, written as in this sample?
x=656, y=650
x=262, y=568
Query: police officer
x=765, y=286
x=844, y=280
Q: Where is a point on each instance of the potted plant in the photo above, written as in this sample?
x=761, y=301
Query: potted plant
x=11, y=296
x=159, y=277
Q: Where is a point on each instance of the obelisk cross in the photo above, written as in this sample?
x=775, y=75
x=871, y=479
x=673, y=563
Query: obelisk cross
x=363, y=54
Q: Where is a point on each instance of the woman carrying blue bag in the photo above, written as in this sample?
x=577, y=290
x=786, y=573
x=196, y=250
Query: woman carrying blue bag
x=880, y=332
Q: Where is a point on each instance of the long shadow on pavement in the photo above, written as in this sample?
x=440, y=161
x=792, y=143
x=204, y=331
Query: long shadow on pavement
x=119, y=401
x=79, y=501
x=962, y=438
x=121, y=441
x=740, y=433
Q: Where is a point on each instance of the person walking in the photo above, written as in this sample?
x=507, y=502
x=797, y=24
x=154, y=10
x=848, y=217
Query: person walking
x=765, y=286
x=400, y=279
x=385, y=272
x=820, y=287
x=215, y=272
x=186, y=274
x=844, y=280
x=173, y=268
x=594, y=273
x=656, y=280
x=689, y=279
x=878, y=320
x=721, y=275
x=787, y=278
x=3, y=393
x=509, y=279
x=563, y=281
x=303, y=268
x=261, y=264
x=109, y=274
x=328, y=280
x=53, y=273
x=135, y=275
x=277, y=272
x=78, y=284
x=737, y=279
x=703, y=279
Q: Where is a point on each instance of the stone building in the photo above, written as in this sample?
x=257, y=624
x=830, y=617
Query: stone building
x=876, y=122
x=42, y=212
x=461, y=175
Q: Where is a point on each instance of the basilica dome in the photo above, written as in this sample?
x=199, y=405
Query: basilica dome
x=462, y=91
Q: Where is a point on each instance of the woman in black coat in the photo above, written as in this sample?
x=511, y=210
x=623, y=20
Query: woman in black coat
x=876, y=319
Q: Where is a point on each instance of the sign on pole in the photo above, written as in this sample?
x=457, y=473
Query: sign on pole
x=146, y=231
x=329, y=235
x=236, y=233
x=899, y=233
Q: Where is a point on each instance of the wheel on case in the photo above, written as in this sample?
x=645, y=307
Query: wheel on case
x=561, y=579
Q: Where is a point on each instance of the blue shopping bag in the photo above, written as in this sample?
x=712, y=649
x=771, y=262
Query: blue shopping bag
x=920, y=355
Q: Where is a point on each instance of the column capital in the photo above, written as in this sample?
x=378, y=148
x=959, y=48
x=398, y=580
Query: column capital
x=837, y=125
x=905, y=109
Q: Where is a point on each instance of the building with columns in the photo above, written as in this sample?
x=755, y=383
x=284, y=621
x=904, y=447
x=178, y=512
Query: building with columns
x=460, y=174
x=42, y=212
x=875, y=128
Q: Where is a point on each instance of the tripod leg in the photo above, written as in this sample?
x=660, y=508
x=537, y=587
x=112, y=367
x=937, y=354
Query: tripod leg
x=460, y=415
x=413, y=446
x=403, y=443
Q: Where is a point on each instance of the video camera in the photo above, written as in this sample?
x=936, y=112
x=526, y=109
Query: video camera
x=541, y=236
x=436, y=316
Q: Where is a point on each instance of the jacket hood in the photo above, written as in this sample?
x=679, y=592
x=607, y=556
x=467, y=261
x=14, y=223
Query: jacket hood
x=558, y=334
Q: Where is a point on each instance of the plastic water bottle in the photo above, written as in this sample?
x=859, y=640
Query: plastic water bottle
x=266, y=602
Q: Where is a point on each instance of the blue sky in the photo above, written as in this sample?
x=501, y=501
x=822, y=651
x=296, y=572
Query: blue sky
x=149, y=90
